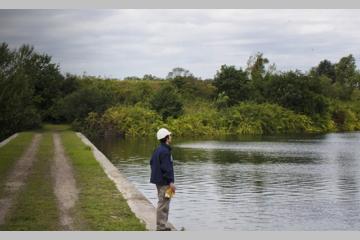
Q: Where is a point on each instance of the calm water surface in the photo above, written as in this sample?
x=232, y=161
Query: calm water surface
x=264, y=183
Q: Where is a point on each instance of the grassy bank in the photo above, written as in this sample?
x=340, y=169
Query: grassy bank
x=100, y=205
x=10, y=153
x=35, y=207
x=55, y=127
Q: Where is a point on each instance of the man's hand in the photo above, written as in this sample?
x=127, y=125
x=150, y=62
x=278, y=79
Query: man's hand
x=172, y=186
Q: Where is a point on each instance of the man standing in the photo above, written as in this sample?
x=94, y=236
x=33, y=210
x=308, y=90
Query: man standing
x=162, y=174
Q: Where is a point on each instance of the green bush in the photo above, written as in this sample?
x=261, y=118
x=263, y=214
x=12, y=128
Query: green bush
x=92, y=96
x=204, y=122
x=243, y=119
x=131, y=92
x=167, y=102
x=18, y=103
x=346, y=116
x=234, y=83
x=297, y=92
x=128, y=121
x=251, y=118
x=190, y=87
x=222, y=101
x=323, y=123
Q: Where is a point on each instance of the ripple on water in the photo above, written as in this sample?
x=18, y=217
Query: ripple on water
x=286, y=184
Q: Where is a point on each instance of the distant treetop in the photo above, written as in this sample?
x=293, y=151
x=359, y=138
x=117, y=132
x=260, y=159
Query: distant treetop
x=179, y=72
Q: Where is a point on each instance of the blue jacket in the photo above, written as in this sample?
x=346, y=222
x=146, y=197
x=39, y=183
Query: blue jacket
x=161, y=162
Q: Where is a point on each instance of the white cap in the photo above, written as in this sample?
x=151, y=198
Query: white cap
x=163, y=132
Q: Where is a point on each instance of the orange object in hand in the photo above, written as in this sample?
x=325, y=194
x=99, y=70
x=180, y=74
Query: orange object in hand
x=169, y=192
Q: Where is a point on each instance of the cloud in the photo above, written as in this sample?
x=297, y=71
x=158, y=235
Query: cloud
x=126, y=42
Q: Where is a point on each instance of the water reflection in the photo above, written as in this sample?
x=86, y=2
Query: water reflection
x=262, y=183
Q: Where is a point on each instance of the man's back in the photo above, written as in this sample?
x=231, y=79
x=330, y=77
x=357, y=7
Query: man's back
x=162, y=172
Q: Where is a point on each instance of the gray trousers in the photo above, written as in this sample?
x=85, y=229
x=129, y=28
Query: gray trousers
x=162, y=210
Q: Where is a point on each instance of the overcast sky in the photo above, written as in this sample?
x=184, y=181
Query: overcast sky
x=120, y=43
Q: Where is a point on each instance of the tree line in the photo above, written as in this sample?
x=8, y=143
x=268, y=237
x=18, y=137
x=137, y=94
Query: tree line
x=256, y=99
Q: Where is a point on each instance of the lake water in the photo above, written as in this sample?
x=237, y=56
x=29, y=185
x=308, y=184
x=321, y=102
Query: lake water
x=254, y=183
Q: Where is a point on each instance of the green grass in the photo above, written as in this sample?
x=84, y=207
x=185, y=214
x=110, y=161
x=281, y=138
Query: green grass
x=35, y=207
x=100, y=206
x=10, y=153
x=56, y=127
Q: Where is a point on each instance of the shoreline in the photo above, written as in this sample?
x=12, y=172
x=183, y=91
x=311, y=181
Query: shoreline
x=138, y=203
x=7, y=140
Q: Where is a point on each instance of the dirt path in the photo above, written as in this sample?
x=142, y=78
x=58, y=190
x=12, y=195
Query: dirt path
x=17, y=177
x=65, y=185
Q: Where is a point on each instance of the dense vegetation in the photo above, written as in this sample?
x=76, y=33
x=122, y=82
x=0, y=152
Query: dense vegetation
x=256, y=99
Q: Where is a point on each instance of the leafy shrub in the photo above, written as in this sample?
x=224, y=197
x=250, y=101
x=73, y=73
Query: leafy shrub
x=167, y=102
x=222, y=101
x=91, y=98
x=251, y=118
x=128, y=121
x=201, y=123
x=190, y=87
x=345, y=116
x=297, y=92
x=234, y=83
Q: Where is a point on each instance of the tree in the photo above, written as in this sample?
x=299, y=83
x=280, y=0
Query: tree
x=179, y=72
x=256, y=69
x=233, y=83
x=70, y=84
x=356, y=80
x=150, y=77
x=298, y=92
x=44, y=78
x=167, y=102
x=325, y=68
x=132, y=78
x=6, y=60
x=93, y=95
x=190, y=87
x=222, y=101
x=345, y=70
x=256, y=66
x=17, y=102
